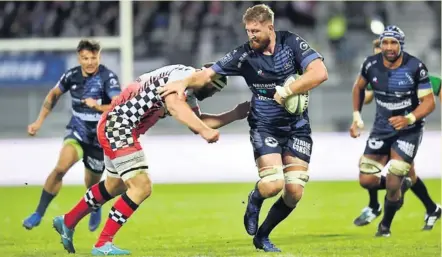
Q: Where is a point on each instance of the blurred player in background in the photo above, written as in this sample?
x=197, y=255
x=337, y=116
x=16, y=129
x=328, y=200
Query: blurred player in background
x=403, y=99
x=92, y=87
x=373, y=210
x=137, y=109
x=282, y=143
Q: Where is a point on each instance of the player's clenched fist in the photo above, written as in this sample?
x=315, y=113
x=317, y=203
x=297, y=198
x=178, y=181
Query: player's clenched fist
x=33, y=128
x=356, y=125
x=210, y=135
x=398, y=122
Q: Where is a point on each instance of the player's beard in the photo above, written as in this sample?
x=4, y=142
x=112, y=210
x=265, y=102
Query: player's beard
x=391, y=56
x=259, y=45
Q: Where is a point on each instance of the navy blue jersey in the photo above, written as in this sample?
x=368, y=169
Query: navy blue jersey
x=395, y=90
x=101, y=86
x=263, y=73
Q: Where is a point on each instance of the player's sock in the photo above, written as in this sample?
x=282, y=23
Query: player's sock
x=95, y=196
x=374, y=203
x=45, y=200
x=390, y=209
x=277, y=213
x=373, y=193
x=420, y=190
x=256, y=196
x=123, y=208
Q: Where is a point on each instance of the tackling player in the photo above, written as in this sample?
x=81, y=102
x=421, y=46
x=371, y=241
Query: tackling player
x=137, y=109
x=92, y=86
x=373, y=210
x=282, y=142
x=403, y=99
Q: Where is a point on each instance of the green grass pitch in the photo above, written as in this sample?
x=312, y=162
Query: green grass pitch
x=206, y=220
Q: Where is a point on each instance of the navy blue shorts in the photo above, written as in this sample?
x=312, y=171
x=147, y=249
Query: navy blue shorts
x=296, y=144
x=93, y=157
x=404, y=143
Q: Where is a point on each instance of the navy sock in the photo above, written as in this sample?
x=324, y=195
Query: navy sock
x=256, y=197
x=390, y=209
x=45, y=200
x=374, y=203
x=373, y=194
x=277, y=213
x=420, y=190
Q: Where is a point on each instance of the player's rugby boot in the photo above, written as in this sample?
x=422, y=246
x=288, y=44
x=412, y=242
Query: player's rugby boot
x=95, y=220
x=252, y=215
x=65, y=233
x=383, y=231
x=367, y=216
x=108, y=249
x=32, y=221
x=430, y=219
x=264, y=243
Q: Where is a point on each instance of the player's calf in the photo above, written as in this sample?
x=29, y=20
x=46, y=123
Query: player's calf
x=396, y=172
x=271, y=183
x=133, y=171
x=295, y=181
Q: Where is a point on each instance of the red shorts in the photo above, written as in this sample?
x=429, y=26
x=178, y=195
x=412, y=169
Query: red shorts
x=116, y=137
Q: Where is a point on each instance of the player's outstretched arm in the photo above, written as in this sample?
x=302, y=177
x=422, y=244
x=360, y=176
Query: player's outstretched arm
x=216, y=121
x=181, y=111
x=197, y=80
x=48, y=104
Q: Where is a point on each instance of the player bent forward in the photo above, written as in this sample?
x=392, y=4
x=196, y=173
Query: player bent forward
x=137, y=109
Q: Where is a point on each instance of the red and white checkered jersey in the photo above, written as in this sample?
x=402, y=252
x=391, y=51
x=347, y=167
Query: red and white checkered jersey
x=140, y=106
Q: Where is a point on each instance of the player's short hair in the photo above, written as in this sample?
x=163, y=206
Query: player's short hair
x=260, y=13
x=88, y=44
x=376, y=43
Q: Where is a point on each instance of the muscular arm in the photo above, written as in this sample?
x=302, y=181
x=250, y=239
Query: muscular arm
x=313, y=76
x=49, y=103
x=219, y=120
x=216, y=121
x=426, y=106
x=181, y=111
x=200, y=78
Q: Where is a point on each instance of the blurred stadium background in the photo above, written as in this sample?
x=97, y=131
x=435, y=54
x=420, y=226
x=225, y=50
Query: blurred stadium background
x=192, y=33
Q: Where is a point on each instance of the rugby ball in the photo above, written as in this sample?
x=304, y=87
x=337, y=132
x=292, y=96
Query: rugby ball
x=296, y=104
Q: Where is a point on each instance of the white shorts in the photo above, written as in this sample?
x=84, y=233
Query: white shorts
x=126, y=167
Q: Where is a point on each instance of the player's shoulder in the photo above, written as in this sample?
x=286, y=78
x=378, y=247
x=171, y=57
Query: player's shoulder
x=374, y=58
x=285, y=35
x=288, y=37
x=371, y=61
x=72, y=74
x=106, y=73
x=412, y=62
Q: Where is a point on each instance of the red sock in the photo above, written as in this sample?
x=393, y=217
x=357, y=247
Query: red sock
x=95, y=196
x=118, y=215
